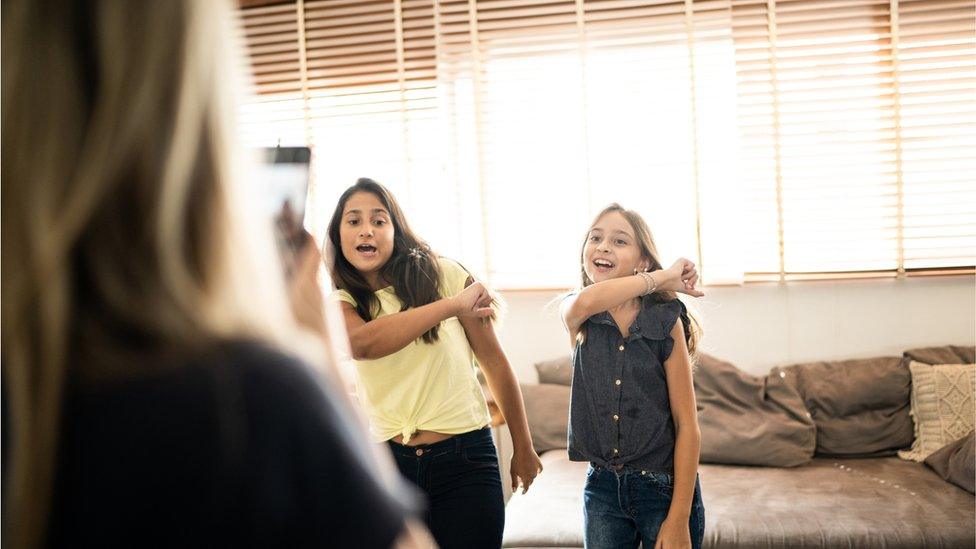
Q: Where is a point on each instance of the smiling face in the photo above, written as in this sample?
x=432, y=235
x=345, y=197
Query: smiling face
x=366, y=234
x=611, y=249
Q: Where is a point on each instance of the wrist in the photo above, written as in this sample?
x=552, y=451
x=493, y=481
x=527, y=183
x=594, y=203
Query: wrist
x=453, y=306
x=520, y=446
x=678, y=516
x=651, y=280
x=670, y=279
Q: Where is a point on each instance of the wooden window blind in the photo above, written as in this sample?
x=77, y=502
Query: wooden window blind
x=767, y=139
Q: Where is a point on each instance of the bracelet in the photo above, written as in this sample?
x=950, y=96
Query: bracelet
x=650, y=283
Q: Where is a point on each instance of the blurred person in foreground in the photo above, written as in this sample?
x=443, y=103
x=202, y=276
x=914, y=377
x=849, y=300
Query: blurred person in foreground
x=158, y=388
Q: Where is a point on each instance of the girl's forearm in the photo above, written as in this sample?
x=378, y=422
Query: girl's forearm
x=606, y=295
x=610, y=293
x=505, y=388
x=687, y=447
x=388, y=334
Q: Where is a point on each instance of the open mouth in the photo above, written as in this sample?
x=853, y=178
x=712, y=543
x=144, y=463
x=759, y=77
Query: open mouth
x=366, y=249
x=603, y=265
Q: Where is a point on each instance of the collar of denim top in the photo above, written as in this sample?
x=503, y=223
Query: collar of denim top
x=648, y=325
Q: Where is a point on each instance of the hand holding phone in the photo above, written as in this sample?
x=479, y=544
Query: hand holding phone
x=283, y=190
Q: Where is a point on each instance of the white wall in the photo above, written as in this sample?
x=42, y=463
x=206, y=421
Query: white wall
x=758, y=326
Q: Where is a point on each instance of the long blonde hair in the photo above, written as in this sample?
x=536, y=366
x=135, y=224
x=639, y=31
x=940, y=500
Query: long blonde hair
x=648, y=251
x=120, y=220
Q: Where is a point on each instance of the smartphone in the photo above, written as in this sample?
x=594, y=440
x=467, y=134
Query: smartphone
x=283, y=192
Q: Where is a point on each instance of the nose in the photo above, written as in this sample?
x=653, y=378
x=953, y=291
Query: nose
x=602, y=246
x=366, y=230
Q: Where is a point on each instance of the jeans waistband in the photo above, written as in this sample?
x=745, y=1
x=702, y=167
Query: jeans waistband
x=621, y=469
x=456, y=442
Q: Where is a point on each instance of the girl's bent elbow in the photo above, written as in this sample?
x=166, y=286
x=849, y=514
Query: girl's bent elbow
x=359, y=354
x=361, y=350
x=577, y=312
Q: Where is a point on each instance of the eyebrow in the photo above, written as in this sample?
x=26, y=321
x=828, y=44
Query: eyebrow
x=617, y=231
x=374, y=210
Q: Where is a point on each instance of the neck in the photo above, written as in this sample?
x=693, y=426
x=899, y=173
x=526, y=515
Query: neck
x=374, y=280
x=628, y=305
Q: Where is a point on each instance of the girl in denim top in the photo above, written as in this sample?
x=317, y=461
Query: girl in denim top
x=633, y=414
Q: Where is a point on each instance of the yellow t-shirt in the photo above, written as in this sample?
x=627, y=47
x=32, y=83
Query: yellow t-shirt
x=423, y=387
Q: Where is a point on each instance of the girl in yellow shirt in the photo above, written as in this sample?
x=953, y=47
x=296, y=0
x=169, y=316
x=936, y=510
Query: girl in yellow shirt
x=418, y=326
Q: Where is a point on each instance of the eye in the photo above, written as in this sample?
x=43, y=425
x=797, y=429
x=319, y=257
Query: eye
x=594, y=238
x=379, y=222
x=621, y=242
x=353, y=222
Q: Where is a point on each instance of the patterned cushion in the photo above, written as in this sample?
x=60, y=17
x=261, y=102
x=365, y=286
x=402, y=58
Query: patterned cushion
x=942, y=406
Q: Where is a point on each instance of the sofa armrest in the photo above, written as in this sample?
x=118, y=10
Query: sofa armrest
x=503, y=443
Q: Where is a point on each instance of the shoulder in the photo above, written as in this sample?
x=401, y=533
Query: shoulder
x=268, y=388
x=268, y=378
x=288, y=405
x=299, y=427
x=453, y=276
x=658, y=318
x=449, y=267
x=340, y=296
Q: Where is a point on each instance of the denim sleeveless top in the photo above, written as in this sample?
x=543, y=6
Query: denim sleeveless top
x=620, y=413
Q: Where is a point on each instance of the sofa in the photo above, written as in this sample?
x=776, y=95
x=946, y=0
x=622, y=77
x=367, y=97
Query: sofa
x=825, y=454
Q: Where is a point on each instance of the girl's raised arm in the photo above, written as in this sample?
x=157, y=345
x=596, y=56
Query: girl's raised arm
x=602, y=296
x=388, y=334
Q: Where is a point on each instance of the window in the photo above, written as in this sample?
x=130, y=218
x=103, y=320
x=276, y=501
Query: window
x=764, y=139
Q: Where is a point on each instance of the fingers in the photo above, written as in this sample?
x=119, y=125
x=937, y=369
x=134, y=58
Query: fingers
x=525, y=475
x=689, y=277
x=484, y=300
x=517, y=480
x=683, y=264
x=309, y=261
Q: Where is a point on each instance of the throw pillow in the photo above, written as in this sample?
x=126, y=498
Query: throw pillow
x=941, y=406
x=860, y=406
x=749, y=420
x=547, y=412
x=558, y=371
x=954, y=462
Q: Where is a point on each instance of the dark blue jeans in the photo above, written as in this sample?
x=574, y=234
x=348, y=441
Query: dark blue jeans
x=460, y=478
x=624, y=508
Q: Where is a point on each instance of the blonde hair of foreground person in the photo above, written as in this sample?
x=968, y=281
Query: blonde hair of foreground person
x=121, y=206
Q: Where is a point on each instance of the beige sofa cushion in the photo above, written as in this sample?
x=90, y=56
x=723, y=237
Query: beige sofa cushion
x=941, y=406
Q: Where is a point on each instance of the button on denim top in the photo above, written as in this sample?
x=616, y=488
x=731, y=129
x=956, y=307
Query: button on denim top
x=620, y=413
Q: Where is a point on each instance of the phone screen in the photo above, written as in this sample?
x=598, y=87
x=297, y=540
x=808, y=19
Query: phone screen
x=283, y=183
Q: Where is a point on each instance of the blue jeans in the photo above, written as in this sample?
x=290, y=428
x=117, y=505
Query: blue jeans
x=626, y=507
x=461, y=481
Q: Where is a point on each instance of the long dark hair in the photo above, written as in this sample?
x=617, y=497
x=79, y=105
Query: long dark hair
x=412, y=269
